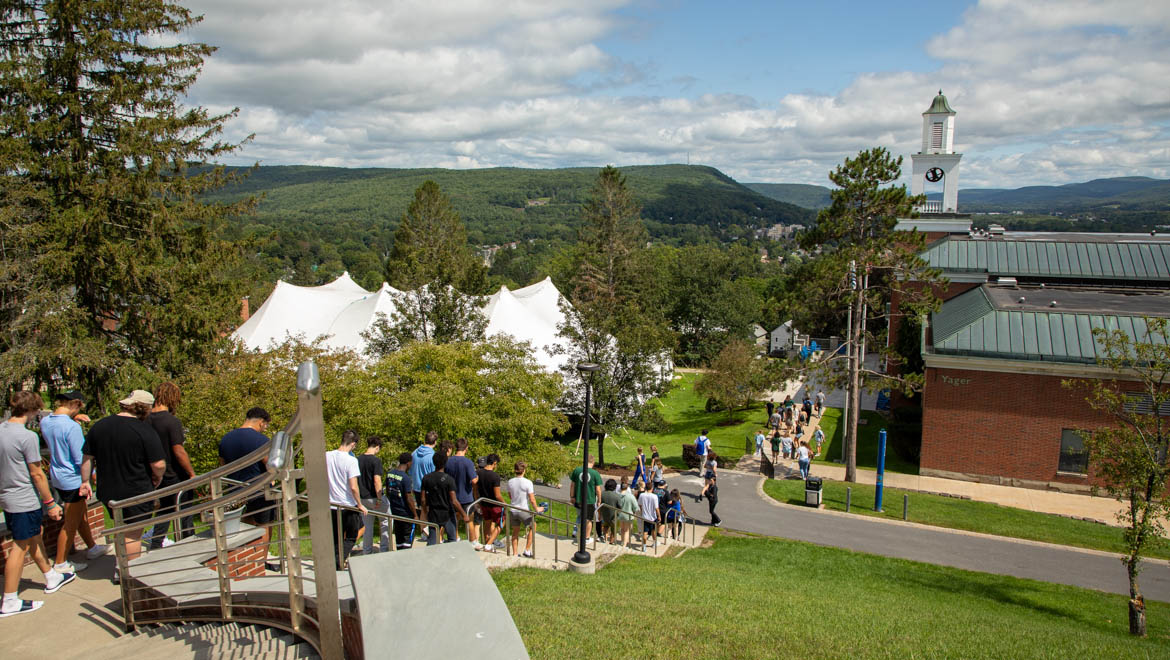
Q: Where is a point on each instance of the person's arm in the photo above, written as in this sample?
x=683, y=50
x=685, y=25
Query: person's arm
x=183, y=460
x=157, y=469
x=497, y=495
x=42, y=485
x=377, y=486
x=76, y=442
x=532, y=502
x=357, y=495
x=86, y=470
x=456, y=505
x=411, y=505
x=423, y=509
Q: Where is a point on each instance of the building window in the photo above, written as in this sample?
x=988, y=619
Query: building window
x=936, y=135
x=1142, y=403
x=1073, y=455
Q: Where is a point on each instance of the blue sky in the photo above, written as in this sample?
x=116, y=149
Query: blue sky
x=1047, y=91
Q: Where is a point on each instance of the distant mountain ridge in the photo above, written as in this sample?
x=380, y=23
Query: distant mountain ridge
x=1133, y=193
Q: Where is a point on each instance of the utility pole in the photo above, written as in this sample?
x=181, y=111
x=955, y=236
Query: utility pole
x=857, y=313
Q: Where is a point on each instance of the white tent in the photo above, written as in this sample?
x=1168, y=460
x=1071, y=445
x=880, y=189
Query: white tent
x=341, y=310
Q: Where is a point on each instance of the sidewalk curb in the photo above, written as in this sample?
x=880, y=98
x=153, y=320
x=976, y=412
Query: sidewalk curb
x=949, y=530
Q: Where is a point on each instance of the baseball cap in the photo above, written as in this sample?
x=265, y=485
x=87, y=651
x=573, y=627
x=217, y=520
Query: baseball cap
x=138, y=396
x=71, y=395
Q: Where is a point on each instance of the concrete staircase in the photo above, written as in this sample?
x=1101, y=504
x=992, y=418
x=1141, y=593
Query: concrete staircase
x=205, y=641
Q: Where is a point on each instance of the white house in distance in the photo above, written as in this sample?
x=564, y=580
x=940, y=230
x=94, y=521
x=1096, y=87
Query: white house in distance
x=782, y=338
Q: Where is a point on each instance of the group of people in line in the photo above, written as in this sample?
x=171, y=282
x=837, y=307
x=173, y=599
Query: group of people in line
x=787, y=425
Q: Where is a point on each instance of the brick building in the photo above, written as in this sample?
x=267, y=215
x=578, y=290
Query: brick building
x=1016, y=324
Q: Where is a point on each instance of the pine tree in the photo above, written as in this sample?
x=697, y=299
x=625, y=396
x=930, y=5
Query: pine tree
x=111, y=264
x=439, y=277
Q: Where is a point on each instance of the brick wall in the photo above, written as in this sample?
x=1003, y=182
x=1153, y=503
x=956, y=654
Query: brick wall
x=95, y=517
x=245, y=561
x=1001, y=427
x=944, y=292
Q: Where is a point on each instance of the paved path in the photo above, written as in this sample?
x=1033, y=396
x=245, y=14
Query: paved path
x=743, y=506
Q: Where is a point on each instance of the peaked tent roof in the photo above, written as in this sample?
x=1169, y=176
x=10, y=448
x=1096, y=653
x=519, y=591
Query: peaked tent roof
x=293, y=310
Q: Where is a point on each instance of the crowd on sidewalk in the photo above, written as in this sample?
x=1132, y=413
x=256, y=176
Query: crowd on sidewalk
x=788, y=425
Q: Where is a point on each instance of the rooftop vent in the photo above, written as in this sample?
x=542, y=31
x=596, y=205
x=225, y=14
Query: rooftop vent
x=1005, y=281
x=1052, y=304
x=995, y=230
x=1021, y=300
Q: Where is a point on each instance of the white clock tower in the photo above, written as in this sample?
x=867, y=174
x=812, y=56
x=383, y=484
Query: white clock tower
x=937, y=161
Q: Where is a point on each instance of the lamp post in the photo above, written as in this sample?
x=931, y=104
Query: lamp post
x=582, y=555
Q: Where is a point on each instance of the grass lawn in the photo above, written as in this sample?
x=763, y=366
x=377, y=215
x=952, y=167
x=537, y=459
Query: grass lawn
x=984, y=517
x=685, y=411
x=867, y=442
x=755, y=597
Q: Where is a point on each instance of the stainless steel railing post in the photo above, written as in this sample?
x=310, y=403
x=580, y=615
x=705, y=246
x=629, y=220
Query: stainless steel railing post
x=221, y=554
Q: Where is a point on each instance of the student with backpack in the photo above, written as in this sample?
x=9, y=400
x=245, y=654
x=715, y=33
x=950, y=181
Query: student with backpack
x=640, y=467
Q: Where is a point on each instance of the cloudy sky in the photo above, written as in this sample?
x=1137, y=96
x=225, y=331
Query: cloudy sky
x=1047, y=91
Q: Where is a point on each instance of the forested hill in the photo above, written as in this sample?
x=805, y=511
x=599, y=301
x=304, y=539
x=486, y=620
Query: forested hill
x=800, y=194
x=687, y=203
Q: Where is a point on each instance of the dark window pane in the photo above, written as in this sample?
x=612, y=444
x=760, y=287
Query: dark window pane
x=1073, y=456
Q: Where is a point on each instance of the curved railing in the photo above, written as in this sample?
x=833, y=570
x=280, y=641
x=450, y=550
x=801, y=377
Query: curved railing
x=536, y=514
x=225, y=572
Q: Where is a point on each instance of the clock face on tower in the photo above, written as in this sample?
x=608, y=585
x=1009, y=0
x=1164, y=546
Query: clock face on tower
x=934, y=174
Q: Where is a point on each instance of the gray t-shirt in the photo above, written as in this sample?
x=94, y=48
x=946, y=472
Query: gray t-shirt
x=18, y=448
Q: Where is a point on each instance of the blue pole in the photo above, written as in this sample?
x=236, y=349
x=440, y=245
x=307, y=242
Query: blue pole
x=881, y=471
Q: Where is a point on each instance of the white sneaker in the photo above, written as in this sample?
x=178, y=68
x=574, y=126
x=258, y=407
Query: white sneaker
x=71, y=567
x=476, y=545
x=167, y=542
x=66, y=578
x=99, y=550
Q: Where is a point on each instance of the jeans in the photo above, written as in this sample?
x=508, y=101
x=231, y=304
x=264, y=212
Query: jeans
x=449, y=527
x=803, y=468
x=371, y=523
x=347, y=523
x=711, y=502
x=184, y=526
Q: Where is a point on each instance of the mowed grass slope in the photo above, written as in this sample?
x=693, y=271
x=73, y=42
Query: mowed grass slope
x=867, y=442
x=685, y=410
x=970, y=515
x=754, y=597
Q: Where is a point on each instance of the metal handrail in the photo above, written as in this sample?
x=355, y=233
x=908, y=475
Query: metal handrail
x=192, y=510
x=197, y=480
x=638, y=515
x=508, y=523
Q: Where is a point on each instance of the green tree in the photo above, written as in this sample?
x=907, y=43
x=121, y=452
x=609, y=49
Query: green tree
x=1130, y=457
x=711, y=303
x=111, y=265
x=606, y=322
x=491, y=392
x=862, y=263
x=737, y=377
x=439, y=276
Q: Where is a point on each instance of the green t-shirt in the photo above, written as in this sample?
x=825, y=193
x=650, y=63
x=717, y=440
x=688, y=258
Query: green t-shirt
x=592, y=482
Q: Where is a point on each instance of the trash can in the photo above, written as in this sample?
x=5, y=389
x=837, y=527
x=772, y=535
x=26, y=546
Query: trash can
x=812, y=491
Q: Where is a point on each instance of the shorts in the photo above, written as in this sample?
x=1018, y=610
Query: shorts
x=590, y=509
x=489, y=512
x=132, y=514
x=25, y=524
x=649, y=527
x=519, y=518
x=775, y=447
x=69, y=496
x=254, y=512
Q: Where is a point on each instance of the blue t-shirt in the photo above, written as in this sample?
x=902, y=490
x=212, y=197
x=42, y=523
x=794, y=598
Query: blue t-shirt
x=65, y=439
x=237, y=444
x=462, y=470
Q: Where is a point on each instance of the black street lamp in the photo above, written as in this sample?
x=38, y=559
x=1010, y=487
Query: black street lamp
x=582, y=555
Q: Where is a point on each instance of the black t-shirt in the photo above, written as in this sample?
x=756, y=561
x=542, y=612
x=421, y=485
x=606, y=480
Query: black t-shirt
x=488, y=482
x=170, y=431
x=123, y=449
x=437, y=487
x=369, y=465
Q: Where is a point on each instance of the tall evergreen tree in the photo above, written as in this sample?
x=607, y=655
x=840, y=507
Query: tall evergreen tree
x=607, y=322
x=865, y=261
x=110, y=265
x=440, y=279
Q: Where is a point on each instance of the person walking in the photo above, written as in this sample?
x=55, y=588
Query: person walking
x=488, y=485
x=25, y=498
x=370, y=489
x=439, y=502
x=422, y=463
x=399, y=495
x=656, y=470
x=803, y=459
x=775, y=446
x=628, y=503
x=128, y=453
x=820, y=402
x=237, y=444
x=586, y=491
x=711, y=491
x=819, y=438
x=759, y=443
x=523, y=497
x=344, y=491
x=639, y=467
x=648, y=506
x=464, y=474
x=611, y=503
x=63, y=436
x=170, y=430
x=771, y=408
x=702, y=446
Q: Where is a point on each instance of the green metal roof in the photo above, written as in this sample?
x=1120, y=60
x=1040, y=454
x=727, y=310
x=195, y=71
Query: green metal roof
x=976, y=323
x=939, y=106
x=1054, y=259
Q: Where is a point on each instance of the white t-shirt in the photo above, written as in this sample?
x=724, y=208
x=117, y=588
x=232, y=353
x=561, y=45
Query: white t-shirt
x=802, y=453
x=342, y=467
x=518, y=489
x=648, y=502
